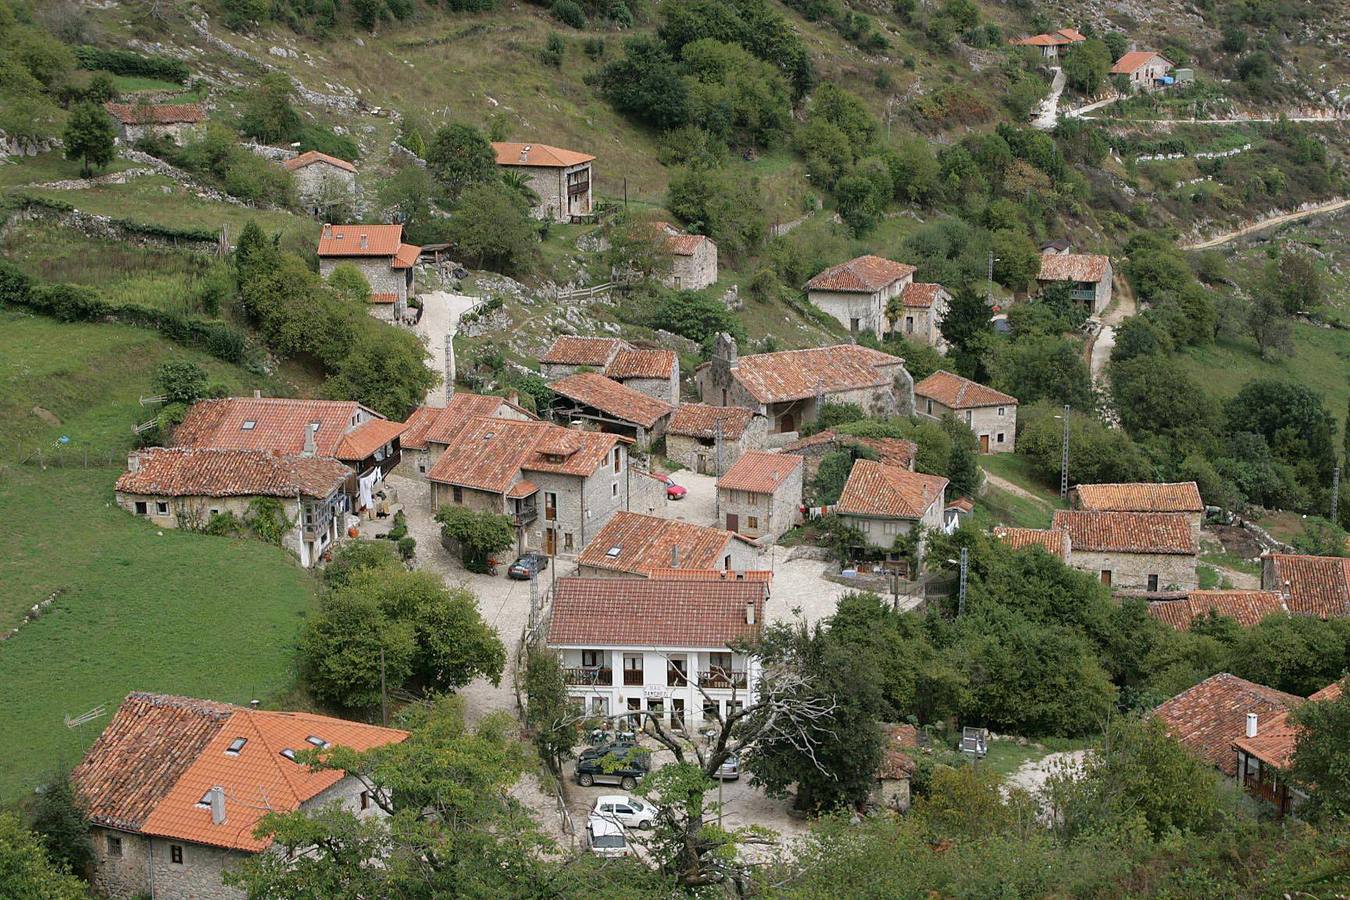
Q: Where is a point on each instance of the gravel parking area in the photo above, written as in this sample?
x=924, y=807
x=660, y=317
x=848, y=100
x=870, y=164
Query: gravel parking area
x=699, y=506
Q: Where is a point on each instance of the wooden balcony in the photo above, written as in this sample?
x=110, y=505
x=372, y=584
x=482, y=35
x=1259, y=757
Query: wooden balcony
x=720, y=678
x=632, y=678
x=676, y=678
x=599, y=676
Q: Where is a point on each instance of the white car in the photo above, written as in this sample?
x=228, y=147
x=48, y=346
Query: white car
x=606, y=838
x=630, y=812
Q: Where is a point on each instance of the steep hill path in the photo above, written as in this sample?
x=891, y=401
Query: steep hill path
x=1262, y=225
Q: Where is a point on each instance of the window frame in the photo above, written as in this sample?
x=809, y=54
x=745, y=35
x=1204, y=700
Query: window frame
x=176, y=855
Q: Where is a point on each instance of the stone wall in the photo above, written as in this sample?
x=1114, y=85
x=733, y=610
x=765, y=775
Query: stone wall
x=383, y=279
x=1130, y=571
x=859, y=313
x=320, y=185
x=881, y=533
x=198, y=877
x=646, y=495
x=194, y=512
x=667, y=390
x=181, y=132
x=127, y=875
x=986, y=422
x=758, y=515
x=550, y=183
x=694, y=273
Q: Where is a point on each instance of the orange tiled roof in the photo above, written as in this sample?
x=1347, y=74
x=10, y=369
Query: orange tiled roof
x=309, y=157
x=1207, y=718
x=920, y=294
x=797, y=374
x=759, y=472
x=571, y=350
x=1040, y=40
x=679, y=242
x=897, y=759
x=366, y=438
x=866, y=274
x=955, y=392
x=1182, y=496
x=1316, y=585
x=875, y=489
x=1126, y=532
x=1247, y=607
x=542, y=155
x=1073, y=34
x=1073, y=267
x=1332, y=691
x=360, y=240
x=183, y=472
x=439, y=425
x=268, y=423
x=490, y=454
x=1276, y=736
x=160, y=755
x=1134, y=60
x=665, y=573
x=618, y=612
x=383, y=297
x=699, y=420
x=891, y=451
x=1052, y=540
x=612, y=398
x=159, y=114
x=406, y=257
x=646, y=542
x=642, y=364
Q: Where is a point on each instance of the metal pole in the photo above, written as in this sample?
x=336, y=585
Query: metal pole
x=990, y=294
x=961, y=591
x=1064, y=459
x=1335, y=491
x=384, y=699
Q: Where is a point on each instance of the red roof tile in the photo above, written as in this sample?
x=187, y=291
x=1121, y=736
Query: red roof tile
x=159, y=114
x=699, y=420
x=406, y=256
x=1207, y=718
x=866, y=274
x=1135, y=59
x=797, y=374
x=921, y=295
x=366, y=438
x=439, y=426
x=1181, y=496
x=182, y=472
x=891, y=451
x=760, y=472
x=616, y=612
x=1073, y=267
x=645, y=542
x=309, y=157
x=492, y=454
x=612, y=398
x=360, y=240
x=1125, y=532
x=571, y=350
x=678, y=242
x=268, y=423
x=642, y=364
x=665, y=573
x=383, y=297
x=955, y=392
x=882, y=491
x=1275, y=740
x=542, y=155
x=1316, y=585
x=1052, y=540
x=1247, y=607
x=1332, y=691
x=1041, y=40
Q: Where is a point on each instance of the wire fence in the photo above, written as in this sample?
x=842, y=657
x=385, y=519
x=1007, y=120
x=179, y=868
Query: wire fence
x=58, y=457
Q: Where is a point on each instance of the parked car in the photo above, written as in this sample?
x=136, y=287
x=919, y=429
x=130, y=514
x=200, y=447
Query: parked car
x=730, y=769
x=527, y=565
x=620, y=766
x=630, y=812
x=673, y=491
x=606, y=838
x=618, y=745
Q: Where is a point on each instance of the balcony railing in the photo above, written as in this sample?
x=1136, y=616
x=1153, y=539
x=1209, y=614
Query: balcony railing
x=720, y=678
x=1080, y=294
x=632, y=678
x=526, y=515
x=676, y=678
x=600, y=676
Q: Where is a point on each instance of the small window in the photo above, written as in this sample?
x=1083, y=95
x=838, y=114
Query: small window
x=928, y=406
x=114, y=847
x=289, y=754
x=751, y=522
x=1000, y=410
x=214, y=512
x=969, y=416
x=1152, y=583
x=567, y=540
x=141, y=508
x=422, y=466
x=176, y=854
x=590, y=659
x=614, y=489
x=316, y=741
x=236, y=745
x=726, y=563
x=613, y=552
x=1000, y=437
x=365, y=799
x=616, y=459
x=248, y=425
x=161, y=508
x=457, y=494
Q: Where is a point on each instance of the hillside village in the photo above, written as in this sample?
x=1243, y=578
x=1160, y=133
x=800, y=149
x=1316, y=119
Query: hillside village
x=645, y=448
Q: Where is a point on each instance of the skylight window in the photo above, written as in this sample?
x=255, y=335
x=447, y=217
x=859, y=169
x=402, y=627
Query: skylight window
x=289, y=754
x=316, y=741
x=613, y=552
x=248, y=425
x=235, y=746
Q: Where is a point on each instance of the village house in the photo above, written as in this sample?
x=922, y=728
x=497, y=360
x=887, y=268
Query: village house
x=602, y=404
x=790, y=386
x=1143, y=70
x=1265, y=750
x=185, y=488
x=571, y=353
x=653, y=372
x=990, y=414
x=1054, y=541
x=902, y=743
x=560, y=178
x=1056, y=246
x=922, y=308
x=761, y=494
x=891, y=451
x=1088, y=276
x=956, y=513
x=857, y=293
x=181, y=122
x=1247, y=607
x=379, y=253
x=174, y=788
x=886, y=503
x=632, y=545
x=431, y=429
x=337, y=429
x=1311, y=585
x=1051, y=45
x=692, y=436
x=322, y=182
x=1144, y=552
x=558, y=485
x=1143, y=497
x=670, y=646
x=693, y=258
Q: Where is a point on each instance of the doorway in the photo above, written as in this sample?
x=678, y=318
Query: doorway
x=787, y=422
x=733, y=522
x=550, y=541
x=984, y=443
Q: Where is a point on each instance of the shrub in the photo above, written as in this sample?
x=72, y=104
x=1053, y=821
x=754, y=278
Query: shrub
x=552, y=54
x=569, y=13
x=407, y=547
x=126, y=62
x=695, y=316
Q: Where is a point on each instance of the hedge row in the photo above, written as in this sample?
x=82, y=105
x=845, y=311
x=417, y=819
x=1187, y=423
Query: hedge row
x=149, y=229
x=125, y=62
x=72, y=303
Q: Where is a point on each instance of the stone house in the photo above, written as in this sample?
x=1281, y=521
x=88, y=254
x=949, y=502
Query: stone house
x=431, y=429
x=184, y=488
x=605, y=405
x=691, y=435
x=182, y=122
x=1088, y=275
x=761, y=494
x=379, y=253
x=1133, y=552
x=1144, y=70
x=1246, y=607
x=633, y=546
x=1265, y=750
x=856, y=293
x=892, y=789
x=559, y=486
x=664, y=647
x=1143, y=497
x=653, y=372
x=891, y=451
x=1054, y=541
x=1050, y=45
x=323, y=182
x=1311, y=585
x=571, y=353
x=922, y=307
x=885, y=502
x=693, y=258
x=561, y=178
x=991, y=414
x=788, y=387
x=175, y=788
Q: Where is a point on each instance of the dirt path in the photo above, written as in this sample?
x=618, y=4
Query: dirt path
x=1121, y=309
x=1032, y=776
x=1004, y=484
x=1048, y=113
x=1262, y=225
x=440, y=317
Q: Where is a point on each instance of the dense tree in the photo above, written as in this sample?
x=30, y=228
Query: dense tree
x=1156, y=396
x=735, y=96
x=491, y=226
x=60, y=817
x=408, y=195
x=914, y=171
x=26, y=871
x=548, y=714
x=722, y=205
x=350, y=283
x=180, y=381
x=1321, y=765
x=1293, y=419
x=1043, y=367
x=384, y=368
x=1016, y=260
x=268, y=114
x=1295, y=654
x=694, y=315
x=479, y=533
x=89, y=137
x=1086, y=66
x=646, y=83
x=459, y=158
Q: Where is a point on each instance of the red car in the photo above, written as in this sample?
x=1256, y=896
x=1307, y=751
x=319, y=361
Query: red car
x=673, y=491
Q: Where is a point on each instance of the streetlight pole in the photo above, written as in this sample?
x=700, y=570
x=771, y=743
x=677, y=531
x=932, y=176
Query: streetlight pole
x=961, y=590
x=1064, y=458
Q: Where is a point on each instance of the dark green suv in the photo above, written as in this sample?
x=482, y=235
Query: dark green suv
x=623, y=766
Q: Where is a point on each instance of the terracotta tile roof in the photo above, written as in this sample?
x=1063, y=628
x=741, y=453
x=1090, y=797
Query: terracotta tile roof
x=159, y=114
x=962, y=504
x=383, y=297
x=571, y=350
x=309, y=157
x=897, y=760
x=416, y=425
x=645, y=543
x=1052, y=540
x=1248, y=607
x=514, y=154
x=522, y=489
x=160, y=755
x=797, y=374
x=878, y=490
x=642, y=364
x=665, y=573
x=760, y=472
x=346, y=240
x=439, y=426
x=679, y=242
x=612, y=398
x=182, y=472
x=1073, y=267
x=955, y=392
x=1073, y=34
x=277, y=423
x=1332, y=691
x=1135, y=59
x=866, y=274
x=1182, y=496
x=490, y=454
x=618, y=612
x=920, y=294
x=1126, y=532
x=366, y=438
x=1275, y=740
x=1041, y=40
x=406, y=256
x=1207, y=718
x=1315, y=585
x=891, y=451
x=699, y=420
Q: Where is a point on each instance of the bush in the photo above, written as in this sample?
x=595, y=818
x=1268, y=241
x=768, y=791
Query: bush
x=569, y=13
x=125, y=62
x=552, y=54
x=407, y=547
x=479, y=534
x=695, y=316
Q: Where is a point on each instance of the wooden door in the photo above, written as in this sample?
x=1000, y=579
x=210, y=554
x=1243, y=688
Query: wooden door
x=984, y=443
x=787, y=423
x=733, y=522
x=1106, y=577
x=550, y=541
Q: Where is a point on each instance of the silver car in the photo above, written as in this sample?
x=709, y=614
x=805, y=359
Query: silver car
x=730, y=770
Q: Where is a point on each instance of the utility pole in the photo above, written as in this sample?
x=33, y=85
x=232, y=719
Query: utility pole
x=1064, y=458
x=961, y=589
x=625, y=193
x=384, y=698
x=990, y=278
x=1335, y=492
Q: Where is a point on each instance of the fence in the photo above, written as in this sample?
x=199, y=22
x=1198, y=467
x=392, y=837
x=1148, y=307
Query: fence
x=590, y=293
x=56, y=457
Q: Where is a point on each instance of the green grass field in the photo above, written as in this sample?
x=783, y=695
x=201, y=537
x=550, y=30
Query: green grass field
x=138, y=610
x=17, y=171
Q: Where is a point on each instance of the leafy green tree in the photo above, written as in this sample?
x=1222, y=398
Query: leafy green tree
x=1320, y=764
x=826, y=150
x=180, y=381
x=491, y=226
x=343, y=646
x=1016, y=259
x=1043, y=367
x=734, y=95
x=459, y=158
x=268, y=113
x=1321, y=538
x=479, y=533
x=1156, y=396
x=1270, y=326
x=963, y=471
x=845, y=111
x=548, y=715
x=1139, y=336
x=1293, y=419
x=966, y=327
x=89, y=137
x=721, y=205
x=408, y=195
x=695, y=316
x=27, y=870
x=1086, y=66
x=352, y=557
x=832, y=474
x=914, y=171
x=647, y=84
x=385, y=369
x=350, y=283
x=1295, y=654
x=861, y=204
x=60, y=818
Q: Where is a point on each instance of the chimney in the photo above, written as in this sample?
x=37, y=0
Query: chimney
x=674, y=557
x=514, y=397
x=310, y=448
x=749, y=612
x=1251, y=725
x=134, y=461
x=327, y=230
x=217, y=805
x=254, y=704
x=257, y=394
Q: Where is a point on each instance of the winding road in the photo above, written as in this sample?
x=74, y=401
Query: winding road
x=1284, y=219
x=1048, y=113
